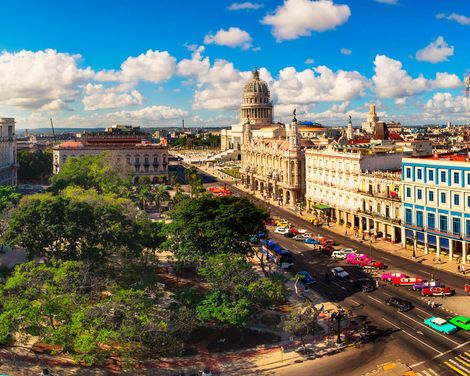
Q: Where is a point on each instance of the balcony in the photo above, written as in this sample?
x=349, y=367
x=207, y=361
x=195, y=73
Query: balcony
x=382, y=195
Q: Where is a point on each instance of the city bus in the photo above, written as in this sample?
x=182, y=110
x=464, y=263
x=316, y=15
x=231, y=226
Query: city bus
x=279, y=255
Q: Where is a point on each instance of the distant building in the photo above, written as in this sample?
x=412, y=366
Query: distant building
x=368, y=126
x=436, y=200
x=127, y=144
x=8, y=161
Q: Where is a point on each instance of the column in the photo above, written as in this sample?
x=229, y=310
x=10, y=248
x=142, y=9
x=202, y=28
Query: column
x=368, y=224
x=464, y=251
x=438, y=246
x=393, y=234
x=426, y=245
x=451, y=249
x=361, y=225
x=375, y=227
x=403, y=237
x=415, y=242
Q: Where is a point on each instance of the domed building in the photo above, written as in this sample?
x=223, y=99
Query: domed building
x=256, y=106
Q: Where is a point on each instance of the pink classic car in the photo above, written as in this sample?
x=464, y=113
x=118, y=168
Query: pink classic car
x=390, y=275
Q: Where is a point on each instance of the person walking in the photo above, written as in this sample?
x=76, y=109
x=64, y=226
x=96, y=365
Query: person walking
x=458, y=268
x=463, y=269
x=429, y=303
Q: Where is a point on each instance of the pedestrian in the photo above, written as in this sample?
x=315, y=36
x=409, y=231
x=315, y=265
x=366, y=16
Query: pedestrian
x=463, y=269
x=376, y=283
x=429, y=303
x=433, y=304
x=432, y=277
x=442, y=294
x=458, y=268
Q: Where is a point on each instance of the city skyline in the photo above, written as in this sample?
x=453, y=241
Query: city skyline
x=328, y=59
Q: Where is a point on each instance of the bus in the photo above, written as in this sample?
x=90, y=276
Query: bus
x=279, y=255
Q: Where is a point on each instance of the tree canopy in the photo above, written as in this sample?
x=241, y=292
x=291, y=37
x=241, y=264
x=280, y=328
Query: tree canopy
x=34, y=165
x=210, y=225
x=8, y=196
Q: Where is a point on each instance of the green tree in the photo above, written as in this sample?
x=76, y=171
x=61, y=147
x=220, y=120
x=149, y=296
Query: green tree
x=34, y=165
x=105, y=173
x=211, y=225
x=302, y=321
x=8, y=196
x=267, y=292
x=196, y=188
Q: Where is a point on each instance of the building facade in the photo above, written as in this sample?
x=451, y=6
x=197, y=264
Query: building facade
x=8, y=161
x=436, y=200
x=356, y=188
x=131, y=148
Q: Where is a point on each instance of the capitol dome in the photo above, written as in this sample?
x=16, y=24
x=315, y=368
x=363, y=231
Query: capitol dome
x=256, y=107
x=256, y=85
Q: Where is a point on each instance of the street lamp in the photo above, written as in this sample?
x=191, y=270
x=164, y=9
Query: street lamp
x=415, y=238
x=338, y=316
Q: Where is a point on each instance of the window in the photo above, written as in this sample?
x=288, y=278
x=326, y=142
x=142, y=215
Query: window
x=431, y=196
x=468, y=179
x=443, y=176
x=431, y=221
x=419, y=194
x=443, y=223
x=419, y=173
x=419, y=218
x=456, y=226
x=443, y=198
x=468, y=201
x=408, y=217
x=456, y=177
x=456, y=200
x=467, y=227
x=408, y=173
x=431, y=175
x=408, y=192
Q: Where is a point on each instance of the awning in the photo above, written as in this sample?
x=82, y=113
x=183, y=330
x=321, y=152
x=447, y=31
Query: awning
x=321, y=207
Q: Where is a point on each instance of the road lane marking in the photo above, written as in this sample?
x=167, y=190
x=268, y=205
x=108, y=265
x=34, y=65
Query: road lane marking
x=385, y=258
x=448, y=351
x=418, y=364
x=377, y=300
x=411, y=335
x=355, y=302
x=462, y=360
x=455, y=369
x=341, y=287
x=427, y=327
x=419, y=309
x=386, y=293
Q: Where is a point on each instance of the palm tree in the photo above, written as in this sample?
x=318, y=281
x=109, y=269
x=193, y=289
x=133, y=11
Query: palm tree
x=160, y=194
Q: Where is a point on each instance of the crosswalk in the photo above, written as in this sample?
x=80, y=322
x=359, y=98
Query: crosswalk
x=458, y=365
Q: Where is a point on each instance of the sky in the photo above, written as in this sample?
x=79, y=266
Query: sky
x=153, y=63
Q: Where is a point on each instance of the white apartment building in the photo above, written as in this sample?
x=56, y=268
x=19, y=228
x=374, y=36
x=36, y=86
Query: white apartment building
x=8, y=162
x=359, y=189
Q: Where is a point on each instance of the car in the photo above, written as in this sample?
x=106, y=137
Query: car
x=401, y=304
x=422, y=285
x=327, y=249
x=388, y=276
x=282, y=223
x=289, y=234
x=406, y=281
x=340, y=273
x=378, y=265
x=311, y=241
x=365, y=285
x=358, y=259
x=299, y=237
x=281, y=230
x=305, y=278
x=437, y=291
x=348, y=250
x=440, y=324
x=294, y=231
x=302, y=231
x=338, y=255
x=462, y=322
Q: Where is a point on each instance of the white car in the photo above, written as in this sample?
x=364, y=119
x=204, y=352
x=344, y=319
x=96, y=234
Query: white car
x=299, y=238
x=302, y=231
x=348, y=250
x=340, y=273
x=338, y=255
x=281, y=230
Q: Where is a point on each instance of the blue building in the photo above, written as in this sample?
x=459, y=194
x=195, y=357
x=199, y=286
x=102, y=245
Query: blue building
x=436, y=204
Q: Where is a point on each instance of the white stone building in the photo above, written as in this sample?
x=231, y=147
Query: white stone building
x=356, y=187
x=8, y=161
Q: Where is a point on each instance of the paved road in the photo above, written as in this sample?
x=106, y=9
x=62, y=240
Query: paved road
x=428, y=351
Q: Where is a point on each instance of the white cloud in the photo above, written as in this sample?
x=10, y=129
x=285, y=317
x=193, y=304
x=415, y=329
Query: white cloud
x=346, y=51
x=233, y=37
x=245, y=6
x=435, y=52
x=46, y=80
x=319, y=84
x=309, y=61
x=194, y=66
x=98, y=97
x=391, y=2
x=153, y=66
x=444, y=104
x=147, y=115
x=392, y=81
x=459, y=18
x=297, y=18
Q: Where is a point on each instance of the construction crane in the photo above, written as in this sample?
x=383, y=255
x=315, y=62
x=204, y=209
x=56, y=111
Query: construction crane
x=53, y=132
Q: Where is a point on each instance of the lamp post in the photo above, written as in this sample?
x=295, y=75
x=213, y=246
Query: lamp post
x=338, y=316
x=415, y=238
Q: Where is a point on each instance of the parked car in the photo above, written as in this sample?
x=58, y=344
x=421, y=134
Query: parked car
x=406, y=281
x=462, y=322
x=388, y=276
x=401, y=304
x=281, y=230
x=422, y=285
x=378, y=265
x=311, y=241
x=437, y=291
x=299, y=237
x=289, y=234
x=441, y=325
x=305, y=278
x=365, y=285
x=340, y=273
x=327, y=249
x=294, y=231
x=302, y=231
x=359, y=259
x=338, y=255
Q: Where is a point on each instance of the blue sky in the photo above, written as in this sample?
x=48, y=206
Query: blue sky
x=153, y=63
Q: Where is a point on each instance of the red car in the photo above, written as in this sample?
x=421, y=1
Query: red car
x=294, y=231
x=378, y=265
x=405, y=281
x=327, y=249
x=436, y=291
